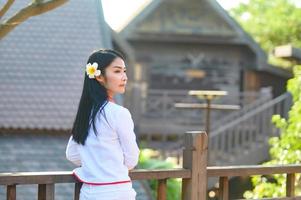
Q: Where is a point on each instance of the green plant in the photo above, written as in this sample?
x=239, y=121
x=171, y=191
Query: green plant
x=285, y=149
x=149, y=159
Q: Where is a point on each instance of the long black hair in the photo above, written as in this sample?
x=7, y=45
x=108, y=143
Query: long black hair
x=94, y=96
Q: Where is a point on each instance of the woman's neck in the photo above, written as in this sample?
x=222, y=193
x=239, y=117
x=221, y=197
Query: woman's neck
x=111, y=99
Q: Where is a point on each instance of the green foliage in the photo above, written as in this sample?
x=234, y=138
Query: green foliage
x=149, y=160
x=270, y=23
x=285, y=149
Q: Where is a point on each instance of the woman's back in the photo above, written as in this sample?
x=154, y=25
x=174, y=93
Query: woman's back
x=112, y=151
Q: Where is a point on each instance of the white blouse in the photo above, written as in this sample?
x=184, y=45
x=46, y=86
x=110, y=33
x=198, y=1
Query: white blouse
x=107, y=156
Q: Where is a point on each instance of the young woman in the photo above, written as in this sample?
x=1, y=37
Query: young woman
x=103, y=143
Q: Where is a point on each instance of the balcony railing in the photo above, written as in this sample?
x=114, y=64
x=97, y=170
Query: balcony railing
x=193, y=174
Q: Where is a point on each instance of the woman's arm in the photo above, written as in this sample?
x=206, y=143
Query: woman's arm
x=72, y=153
x=127, y=138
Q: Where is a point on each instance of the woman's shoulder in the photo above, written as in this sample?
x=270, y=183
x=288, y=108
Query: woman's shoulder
x=117, y=109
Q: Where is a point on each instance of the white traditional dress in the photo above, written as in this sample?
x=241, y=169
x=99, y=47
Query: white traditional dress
x=106, y=157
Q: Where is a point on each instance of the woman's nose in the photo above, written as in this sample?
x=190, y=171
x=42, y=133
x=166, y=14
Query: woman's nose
x=125, y=78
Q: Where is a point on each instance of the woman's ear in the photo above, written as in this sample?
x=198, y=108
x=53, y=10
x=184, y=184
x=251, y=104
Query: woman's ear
x=100, y=79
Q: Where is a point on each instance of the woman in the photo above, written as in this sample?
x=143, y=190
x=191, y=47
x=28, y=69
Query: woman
x=103, y=143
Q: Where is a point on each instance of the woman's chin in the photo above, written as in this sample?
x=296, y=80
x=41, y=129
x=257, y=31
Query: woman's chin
x=121, y=91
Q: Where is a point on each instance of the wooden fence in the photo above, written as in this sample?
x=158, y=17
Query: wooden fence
x=194, y=175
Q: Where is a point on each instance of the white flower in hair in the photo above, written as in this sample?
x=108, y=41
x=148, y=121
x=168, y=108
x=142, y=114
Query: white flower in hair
x=92, y=70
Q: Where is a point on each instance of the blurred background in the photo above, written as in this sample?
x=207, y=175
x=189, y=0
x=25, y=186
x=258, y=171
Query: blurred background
x=245, y=49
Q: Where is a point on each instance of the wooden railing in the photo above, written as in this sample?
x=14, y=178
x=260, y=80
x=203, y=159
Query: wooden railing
x=194, y=175
x=160, y=103
x=242, y=171
x=250, y=130
x=245, y=108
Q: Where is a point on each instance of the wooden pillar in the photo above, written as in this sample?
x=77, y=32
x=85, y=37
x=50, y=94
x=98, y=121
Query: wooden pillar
x=223, y=188
x=11, y=192
x=46, y=192
x=290, y=185
x=77, y=188
x=195, y=159
x=161, y=191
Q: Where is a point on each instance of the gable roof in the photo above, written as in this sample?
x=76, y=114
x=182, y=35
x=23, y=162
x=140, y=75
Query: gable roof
x=42, y=65
x=195, y=20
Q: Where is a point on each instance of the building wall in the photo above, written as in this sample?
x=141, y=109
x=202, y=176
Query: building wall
x=192, y=66
x=255, y=80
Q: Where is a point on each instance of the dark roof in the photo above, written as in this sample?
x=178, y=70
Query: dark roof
x=37, y=153
x=191, y=17
x=278, y=71
x=42, y=64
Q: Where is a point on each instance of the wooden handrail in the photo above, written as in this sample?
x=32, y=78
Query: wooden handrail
x=23, y=178
x=240, y=171
x=250, y=113
x=142, y=174
x=250, y=170
x=67, y=177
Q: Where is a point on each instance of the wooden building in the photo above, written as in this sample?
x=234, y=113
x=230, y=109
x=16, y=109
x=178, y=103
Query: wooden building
x=193, y=45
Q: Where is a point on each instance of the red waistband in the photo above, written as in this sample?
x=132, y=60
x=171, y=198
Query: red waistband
x=108, y=183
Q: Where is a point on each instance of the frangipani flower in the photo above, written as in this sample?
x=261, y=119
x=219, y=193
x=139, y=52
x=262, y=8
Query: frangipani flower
x=92, y=70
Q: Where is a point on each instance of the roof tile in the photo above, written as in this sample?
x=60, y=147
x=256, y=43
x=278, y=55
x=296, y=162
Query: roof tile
x=42, y=64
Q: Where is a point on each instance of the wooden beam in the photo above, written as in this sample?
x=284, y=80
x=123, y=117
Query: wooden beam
x=143, y=174
x=67, y=177
x=207, y=94
x=241, y=171
x=287, y=52
x=36, y=178
x=204, y=105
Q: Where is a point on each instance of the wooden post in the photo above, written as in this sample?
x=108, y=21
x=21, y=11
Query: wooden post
x=46, y=192
x=161, y=191
x=11, y=192
x=223, y=188
x=195, y=159
x=77, y=188
x=208, y=116
x=290, y=185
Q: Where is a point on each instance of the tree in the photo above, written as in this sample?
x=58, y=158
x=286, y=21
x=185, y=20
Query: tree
x=270, y=23
x=36, y=7
x=285, y=149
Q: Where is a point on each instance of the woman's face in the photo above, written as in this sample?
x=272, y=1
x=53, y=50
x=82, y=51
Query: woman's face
x=114, y=78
